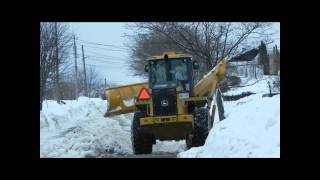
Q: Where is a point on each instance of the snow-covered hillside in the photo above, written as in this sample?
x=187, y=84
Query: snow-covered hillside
x=251, y=127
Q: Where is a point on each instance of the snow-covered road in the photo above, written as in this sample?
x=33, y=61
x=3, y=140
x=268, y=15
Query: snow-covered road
x=153, y=155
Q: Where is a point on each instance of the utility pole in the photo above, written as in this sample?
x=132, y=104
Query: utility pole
x=57, y=63
x=85, y=75
x=75, y=66
x=105, y=82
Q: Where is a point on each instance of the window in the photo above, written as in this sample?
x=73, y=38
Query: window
x=168, y=73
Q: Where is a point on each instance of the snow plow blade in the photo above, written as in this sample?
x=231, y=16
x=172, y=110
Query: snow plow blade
x=121, y=99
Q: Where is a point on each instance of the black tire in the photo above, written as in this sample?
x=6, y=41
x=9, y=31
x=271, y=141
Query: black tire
x=141, y=142
x=188, y=141
x=201, y=128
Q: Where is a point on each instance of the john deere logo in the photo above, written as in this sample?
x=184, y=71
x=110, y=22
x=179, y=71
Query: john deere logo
x=164, y=103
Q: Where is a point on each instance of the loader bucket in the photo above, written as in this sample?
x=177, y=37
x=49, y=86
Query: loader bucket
x=121, y=99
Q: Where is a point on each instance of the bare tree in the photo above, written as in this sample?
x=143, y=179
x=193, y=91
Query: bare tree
x=67, y=85
x=48, y=62
x=94, y=82
x=148, y=44
x=208, y=42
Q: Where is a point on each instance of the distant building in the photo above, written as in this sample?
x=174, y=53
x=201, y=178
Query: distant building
x=251, y=68
x=246, y=69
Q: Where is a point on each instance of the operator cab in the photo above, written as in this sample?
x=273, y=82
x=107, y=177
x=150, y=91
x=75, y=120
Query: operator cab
x=170, y=77
x=171, y=71
x=169, y=74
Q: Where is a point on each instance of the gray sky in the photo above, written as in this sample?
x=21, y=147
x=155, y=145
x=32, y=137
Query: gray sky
x=111, y=61
x=275, y=29
x=276, y=37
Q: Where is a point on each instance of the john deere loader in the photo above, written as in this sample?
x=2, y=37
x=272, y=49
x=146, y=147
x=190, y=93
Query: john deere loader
x=169, y=106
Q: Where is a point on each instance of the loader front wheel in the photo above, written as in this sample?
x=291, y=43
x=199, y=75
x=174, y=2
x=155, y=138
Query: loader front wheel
x=141, y=142
x=201, y=128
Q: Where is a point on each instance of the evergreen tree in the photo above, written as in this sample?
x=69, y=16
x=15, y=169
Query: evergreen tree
x=276, y=60
x=264, y=58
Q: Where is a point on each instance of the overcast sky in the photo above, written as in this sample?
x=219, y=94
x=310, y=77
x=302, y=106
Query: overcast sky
x=111, y=61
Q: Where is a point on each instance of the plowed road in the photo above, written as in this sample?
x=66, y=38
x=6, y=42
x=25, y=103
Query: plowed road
x=154, y=155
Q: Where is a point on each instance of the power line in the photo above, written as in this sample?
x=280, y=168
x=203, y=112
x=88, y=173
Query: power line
x=105, y=48
x=104, y=66
x=103, y=54
x=107, y=58
x=104, y=62
x=103, y=59
x=109, y=62
x=101, y=44
x=98, y=45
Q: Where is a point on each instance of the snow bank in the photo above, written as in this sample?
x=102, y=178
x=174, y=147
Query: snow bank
x=251, y=128
x=78, y=129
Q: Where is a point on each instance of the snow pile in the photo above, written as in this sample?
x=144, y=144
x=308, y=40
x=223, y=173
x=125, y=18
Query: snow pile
x=251, y=128
x=78, y=129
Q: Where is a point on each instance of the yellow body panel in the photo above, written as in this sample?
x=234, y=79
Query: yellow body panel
x=185, y=118
x=171, y=55
x=165, y=119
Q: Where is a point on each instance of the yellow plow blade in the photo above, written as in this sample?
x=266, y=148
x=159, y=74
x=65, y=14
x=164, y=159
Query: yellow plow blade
x=121, y=99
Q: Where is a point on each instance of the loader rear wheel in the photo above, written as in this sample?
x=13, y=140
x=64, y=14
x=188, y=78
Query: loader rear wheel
x=201, y=128
x=141, y=142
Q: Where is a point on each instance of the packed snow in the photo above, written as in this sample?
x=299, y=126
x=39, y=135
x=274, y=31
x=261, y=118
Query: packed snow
x=78, y=128
x=129, y=102
x=251, y=127
x=254, y=85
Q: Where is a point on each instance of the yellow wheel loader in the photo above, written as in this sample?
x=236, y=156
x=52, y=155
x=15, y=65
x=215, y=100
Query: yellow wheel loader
x=170, y=106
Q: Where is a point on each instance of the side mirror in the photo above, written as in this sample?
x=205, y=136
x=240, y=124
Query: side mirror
x=195, y=65
x=146, y=68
